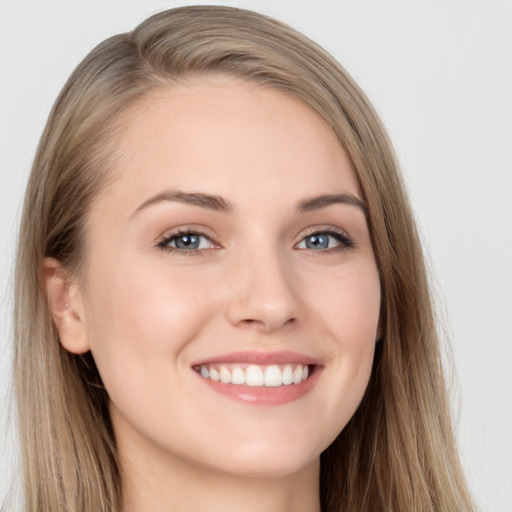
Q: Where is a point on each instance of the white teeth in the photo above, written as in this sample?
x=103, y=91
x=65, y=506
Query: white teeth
x=297, y=375
x=287, y=375
x=225, y=375
x=255, y=375
x=237, y=375
x=273, y=376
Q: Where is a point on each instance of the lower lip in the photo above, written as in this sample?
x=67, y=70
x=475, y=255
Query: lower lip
x=264, y=395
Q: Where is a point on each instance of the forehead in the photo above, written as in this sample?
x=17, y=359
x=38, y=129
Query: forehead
x=228, y=137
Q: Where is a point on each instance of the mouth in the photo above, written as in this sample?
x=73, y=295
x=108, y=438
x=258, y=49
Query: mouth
x=260, y=378
x=254, y=375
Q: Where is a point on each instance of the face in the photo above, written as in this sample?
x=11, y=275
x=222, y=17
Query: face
x=231, y=296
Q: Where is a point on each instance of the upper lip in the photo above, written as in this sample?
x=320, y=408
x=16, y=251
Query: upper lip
x=260, y=358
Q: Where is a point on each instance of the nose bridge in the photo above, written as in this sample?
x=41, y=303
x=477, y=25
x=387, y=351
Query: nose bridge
x=264, y=294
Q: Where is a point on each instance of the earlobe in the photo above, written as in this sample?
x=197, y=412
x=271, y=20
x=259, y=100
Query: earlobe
x=66, y=306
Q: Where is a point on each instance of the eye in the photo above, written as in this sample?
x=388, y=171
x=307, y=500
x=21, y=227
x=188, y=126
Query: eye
x=326, y=240
x=186, y=241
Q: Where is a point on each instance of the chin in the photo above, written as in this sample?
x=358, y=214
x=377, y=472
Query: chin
x=266, y=460
x=269, y=467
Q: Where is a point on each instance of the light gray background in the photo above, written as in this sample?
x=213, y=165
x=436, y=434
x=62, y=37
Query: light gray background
x=440, y=75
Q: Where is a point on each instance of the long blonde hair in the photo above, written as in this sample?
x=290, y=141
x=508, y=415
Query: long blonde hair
x=398, y=452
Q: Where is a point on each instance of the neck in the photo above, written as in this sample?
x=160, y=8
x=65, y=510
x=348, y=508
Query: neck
x=163, y=485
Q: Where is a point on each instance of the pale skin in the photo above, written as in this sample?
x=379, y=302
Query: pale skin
x=283, y=262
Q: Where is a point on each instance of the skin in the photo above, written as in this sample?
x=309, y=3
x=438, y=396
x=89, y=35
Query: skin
x=148, y=313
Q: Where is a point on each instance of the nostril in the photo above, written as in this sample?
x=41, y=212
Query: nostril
x=267, y=325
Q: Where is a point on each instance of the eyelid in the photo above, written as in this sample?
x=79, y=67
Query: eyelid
x=344, y=239
x=166, y=239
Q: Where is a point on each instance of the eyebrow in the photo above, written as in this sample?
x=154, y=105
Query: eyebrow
x=207, y=201
x=218, y=203
x=317, y=202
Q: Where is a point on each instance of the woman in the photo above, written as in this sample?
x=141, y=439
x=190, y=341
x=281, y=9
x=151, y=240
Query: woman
x=226, y=292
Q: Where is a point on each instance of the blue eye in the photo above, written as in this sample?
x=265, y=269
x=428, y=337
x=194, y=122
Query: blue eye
x=325, y=240
x=186, y=241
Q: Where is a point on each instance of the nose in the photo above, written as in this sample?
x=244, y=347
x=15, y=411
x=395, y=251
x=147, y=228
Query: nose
x=264, y=294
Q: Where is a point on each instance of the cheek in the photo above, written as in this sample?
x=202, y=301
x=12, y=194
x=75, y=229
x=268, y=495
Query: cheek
x=356, y=326
x=349, y=309
x=139, y=321
x=349, y=305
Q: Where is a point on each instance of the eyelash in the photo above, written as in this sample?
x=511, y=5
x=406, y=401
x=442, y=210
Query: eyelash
x=340, y=236
x=164, y=243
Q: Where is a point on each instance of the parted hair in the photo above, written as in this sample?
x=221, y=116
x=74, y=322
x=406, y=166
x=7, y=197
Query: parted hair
x=398, y=452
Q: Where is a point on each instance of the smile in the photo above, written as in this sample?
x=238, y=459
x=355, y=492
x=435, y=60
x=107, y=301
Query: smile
x=260, y=378
x=255, y=375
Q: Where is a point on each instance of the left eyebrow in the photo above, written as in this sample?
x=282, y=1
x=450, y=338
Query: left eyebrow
x=317, y=202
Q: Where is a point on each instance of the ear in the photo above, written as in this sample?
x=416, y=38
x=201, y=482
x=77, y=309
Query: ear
x=66, y=305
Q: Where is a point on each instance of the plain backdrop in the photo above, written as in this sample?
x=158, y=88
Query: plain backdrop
x=439, y=74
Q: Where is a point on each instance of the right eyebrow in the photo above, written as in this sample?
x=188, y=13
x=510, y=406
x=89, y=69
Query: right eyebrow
x=207, y=201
